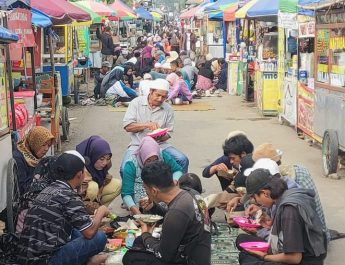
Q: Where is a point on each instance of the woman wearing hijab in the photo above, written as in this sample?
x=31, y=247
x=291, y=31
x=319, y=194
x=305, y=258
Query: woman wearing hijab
x=110, y=79
x=30, y=150
x=205, y=77
x=128, y=71
x=99, y=186
x=132, y=186
x=120, y=92
x=178, y=88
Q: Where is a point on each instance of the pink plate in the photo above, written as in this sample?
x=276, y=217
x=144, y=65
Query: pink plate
x=245, y=222
x=255, y=246
x=158, y=133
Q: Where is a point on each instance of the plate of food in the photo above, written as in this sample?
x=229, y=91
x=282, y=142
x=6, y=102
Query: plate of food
x=255, y=246
x=158, y=132
x=148, y=218
x=244, y=222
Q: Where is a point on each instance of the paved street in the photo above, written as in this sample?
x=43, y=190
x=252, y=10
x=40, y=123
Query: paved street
x=200, y=136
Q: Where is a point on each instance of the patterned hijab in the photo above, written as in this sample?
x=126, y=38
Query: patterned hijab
x=32, y=142
x=147, y=148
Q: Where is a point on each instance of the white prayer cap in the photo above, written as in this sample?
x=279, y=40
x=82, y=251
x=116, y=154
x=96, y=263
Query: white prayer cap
x=160, y=84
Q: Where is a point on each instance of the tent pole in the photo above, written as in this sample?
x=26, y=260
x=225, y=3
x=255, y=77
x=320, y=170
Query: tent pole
x=10, y=80
x=33, y=70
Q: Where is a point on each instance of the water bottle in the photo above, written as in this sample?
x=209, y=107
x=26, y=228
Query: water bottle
x=130, y=239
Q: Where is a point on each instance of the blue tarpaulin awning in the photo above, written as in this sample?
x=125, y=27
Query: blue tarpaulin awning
x=39, y=19
x=219, y=4
x=264, y=8
x=7, y=35
x=143, y=13
x=14, y=3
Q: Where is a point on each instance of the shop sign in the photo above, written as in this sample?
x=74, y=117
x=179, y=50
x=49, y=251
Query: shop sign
x=287, y=20
x=270, y=76
x=19, y=21
x=306, y=30
x=83, y=41
x=336, y=43
x=322, y=42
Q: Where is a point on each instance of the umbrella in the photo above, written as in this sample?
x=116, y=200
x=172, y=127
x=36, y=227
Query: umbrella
x=264, y=8
x=220, y=5
x=143, y=13
x=60, y=11
x=156, y=16
x=94, y=16
x=97, y=7
x=124, y=12
x=229, y=13
x=39, y=19
x=242, y=12
x=189, y=13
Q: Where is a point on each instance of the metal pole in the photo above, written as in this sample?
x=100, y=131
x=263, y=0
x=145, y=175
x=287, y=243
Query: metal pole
x=31, y=50
x=10, y=81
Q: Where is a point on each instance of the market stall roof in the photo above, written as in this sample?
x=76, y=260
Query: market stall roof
x=39, y=19
x=143, y=13
x=242, y=12
x=264, y=8
x=216, y=15
x=201, y=10
x=193, y=2
x=189, y=13
x=316, y=4
x=60, y=11
x=97, y=7
x=229, y=13
x=220, y=5
x=95, y=18
x=7, y=35
x=156, y=16
x=124, y=12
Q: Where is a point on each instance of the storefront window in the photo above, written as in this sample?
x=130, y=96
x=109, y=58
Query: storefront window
x=337, y=49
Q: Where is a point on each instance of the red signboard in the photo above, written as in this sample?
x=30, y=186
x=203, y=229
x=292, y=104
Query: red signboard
x=19, y=21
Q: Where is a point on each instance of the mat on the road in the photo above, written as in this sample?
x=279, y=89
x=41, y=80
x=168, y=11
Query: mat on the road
x=195, y=106
x=223, y=247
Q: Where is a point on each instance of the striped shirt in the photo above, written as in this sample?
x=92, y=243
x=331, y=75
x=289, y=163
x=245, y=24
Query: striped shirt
x=49, y=222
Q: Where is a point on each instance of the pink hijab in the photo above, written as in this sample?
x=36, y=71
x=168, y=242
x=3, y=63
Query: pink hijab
x=174, y=79
x=147, y=148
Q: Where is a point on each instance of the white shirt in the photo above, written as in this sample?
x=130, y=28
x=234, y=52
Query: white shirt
x=117, y=90
x=144, y=87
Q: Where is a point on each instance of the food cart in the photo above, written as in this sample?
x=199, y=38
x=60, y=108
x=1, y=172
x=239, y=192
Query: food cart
x=329, y=92
x=7, y=165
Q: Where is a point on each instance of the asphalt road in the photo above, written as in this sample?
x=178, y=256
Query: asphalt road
x=199, y=134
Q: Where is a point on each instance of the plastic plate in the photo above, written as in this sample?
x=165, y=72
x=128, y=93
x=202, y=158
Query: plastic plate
x=158, y=133
x=245, y=222
x=255, y=246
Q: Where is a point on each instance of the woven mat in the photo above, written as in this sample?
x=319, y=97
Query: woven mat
x=195, y=106
x=223, y=247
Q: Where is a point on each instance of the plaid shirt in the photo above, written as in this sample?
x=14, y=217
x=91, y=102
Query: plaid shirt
x=305, y=180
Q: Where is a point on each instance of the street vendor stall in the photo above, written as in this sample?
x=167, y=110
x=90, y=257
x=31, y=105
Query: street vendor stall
x=6, y=107
x=329, y=88
x=62, y=14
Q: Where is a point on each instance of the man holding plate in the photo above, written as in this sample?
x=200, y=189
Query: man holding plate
x=148, y=114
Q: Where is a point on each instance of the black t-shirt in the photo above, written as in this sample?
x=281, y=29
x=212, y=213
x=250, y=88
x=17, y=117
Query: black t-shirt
x=182, y=224
x=294, y=237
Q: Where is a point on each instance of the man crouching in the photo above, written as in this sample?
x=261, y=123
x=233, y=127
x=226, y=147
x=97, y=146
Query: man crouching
x=185, y=237
x=57, y=228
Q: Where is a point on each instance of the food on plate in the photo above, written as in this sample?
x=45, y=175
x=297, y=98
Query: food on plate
x=258, y=216
x=148, y=218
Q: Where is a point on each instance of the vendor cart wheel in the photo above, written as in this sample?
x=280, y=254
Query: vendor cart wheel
x=330, y=151
x=65, y=124
x=13, y=195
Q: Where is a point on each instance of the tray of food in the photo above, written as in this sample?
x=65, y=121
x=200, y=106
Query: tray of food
x=148, y=218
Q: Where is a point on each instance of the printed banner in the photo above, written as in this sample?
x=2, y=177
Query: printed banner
x=19, y=21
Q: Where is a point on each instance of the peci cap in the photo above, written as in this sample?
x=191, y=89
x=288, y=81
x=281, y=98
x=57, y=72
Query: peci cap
x=160, y=84
x=257, y=180
x=68, y=164
x=264, y=163
x=267, y=150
